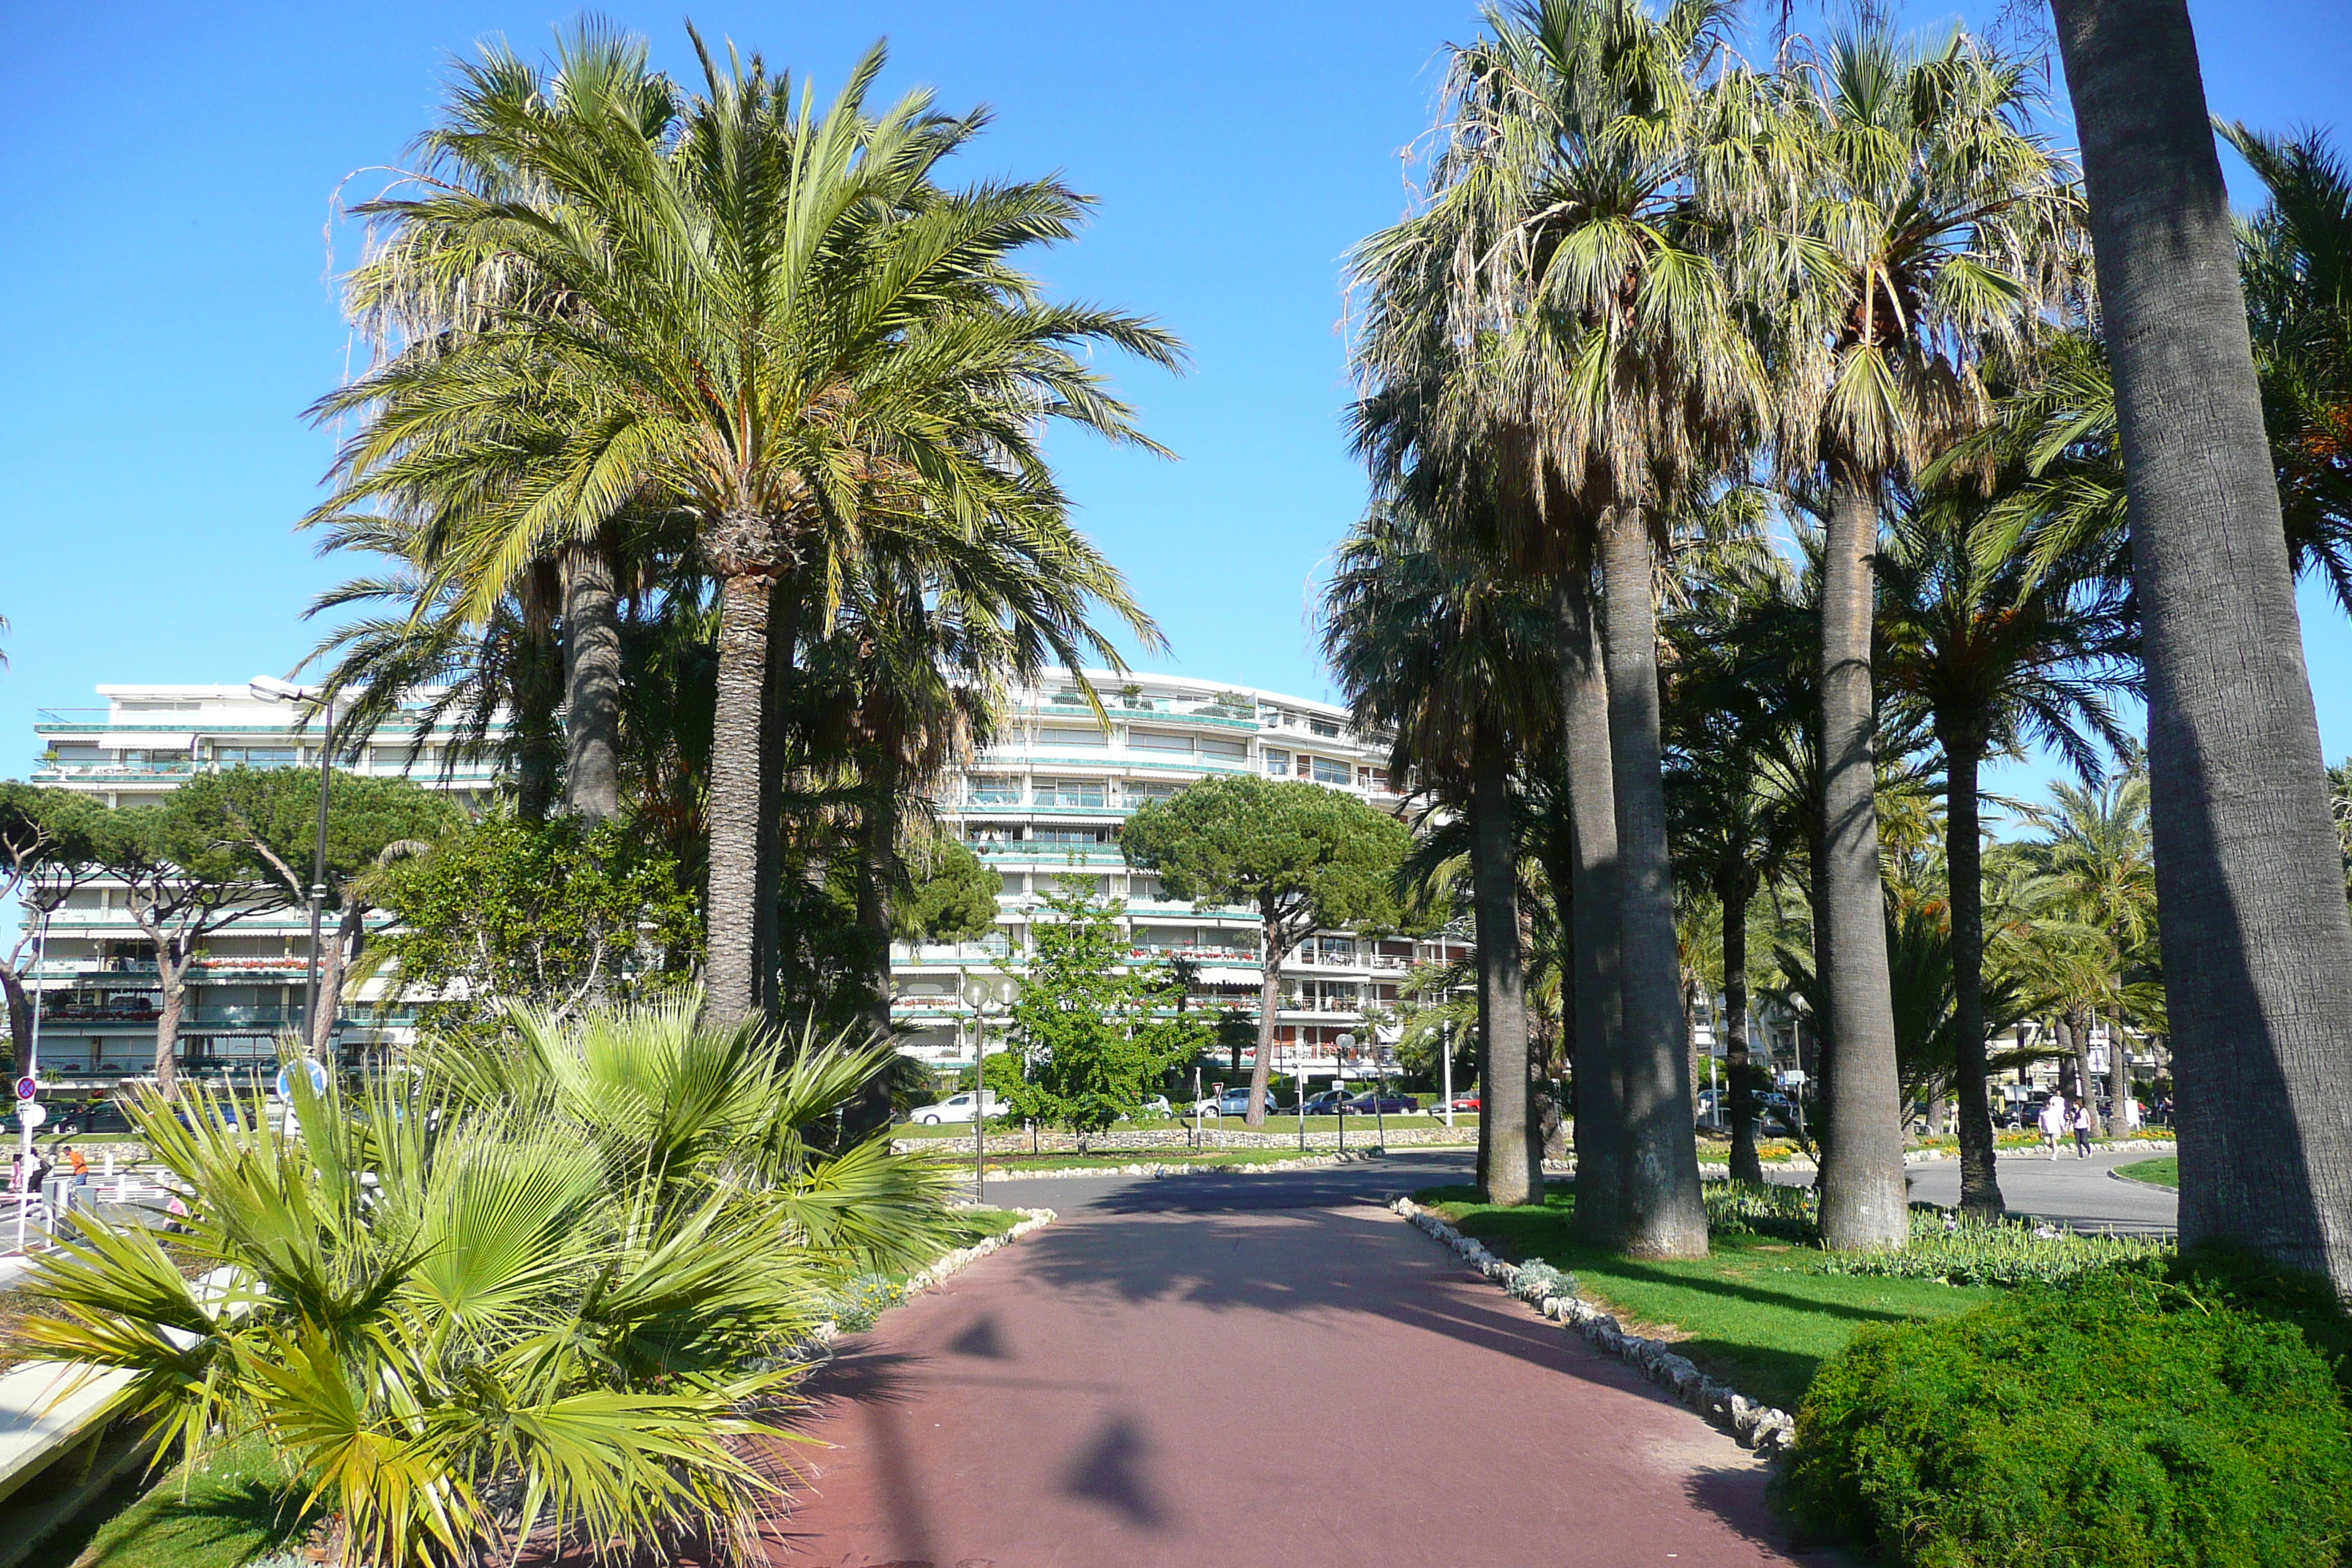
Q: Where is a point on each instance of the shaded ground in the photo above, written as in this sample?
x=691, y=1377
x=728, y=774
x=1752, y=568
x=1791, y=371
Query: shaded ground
x=1264, y=1369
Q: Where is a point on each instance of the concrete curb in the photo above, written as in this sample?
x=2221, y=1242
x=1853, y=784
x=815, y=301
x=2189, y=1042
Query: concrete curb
x=1763, y=1427
x=1311, y=1162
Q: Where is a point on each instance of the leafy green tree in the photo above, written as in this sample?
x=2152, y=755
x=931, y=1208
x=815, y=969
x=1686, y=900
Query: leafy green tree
x=952, y=898
x=268, y=818
x=1087, y=1042
x=1303, y=855
x=563, y=914
x=183, y=886
x=45, y=853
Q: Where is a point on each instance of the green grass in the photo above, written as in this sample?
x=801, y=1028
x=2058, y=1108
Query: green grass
x=2162, y=1172
x=1275, y=1125
x=1114, y=1159
x=229, y=1512
x=1753, y=1312
x=978, y=1225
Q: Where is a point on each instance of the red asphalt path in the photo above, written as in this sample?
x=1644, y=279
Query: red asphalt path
x=1167, y=1377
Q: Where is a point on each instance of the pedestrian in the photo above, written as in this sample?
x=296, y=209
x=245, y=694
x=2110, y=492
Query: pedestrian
x=2054, y=1122
x=81, y=1163
x=2082, y=1130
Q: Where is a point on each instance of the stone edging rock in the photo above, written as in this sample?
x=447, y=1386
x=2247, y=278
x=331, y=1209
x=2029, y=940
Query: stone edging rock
x=1195, y=1168
x=1755, y=1424
x=818, y=1346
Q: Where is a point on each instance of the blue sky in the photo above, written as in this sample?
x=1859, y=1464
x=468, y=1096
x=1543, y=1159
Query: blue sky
x=168, y=274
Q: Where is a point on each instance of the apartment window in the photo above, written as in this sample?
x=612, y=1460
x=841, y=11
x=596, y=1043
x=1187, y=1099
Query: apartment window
x=1072, y=793
x=1277, y=763
x=1339, y=949
x=1159, y=741
x=1327, y=772
x=996, y=789
x=1229, y=750
x=1082, y=740
x=252, y=756
x=1066, y=835
x=1324, y=726
x=1144, y=793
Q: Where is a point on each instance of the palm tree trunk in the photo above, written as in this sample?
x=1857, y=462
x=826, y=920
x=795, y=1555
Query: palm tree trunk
x=592, y=684
x=1817, y=904
x=2256, y=943
x=777, y=697
x=1964, y=854
x=1733, y=893
x=1863, y=1202
x=731, y=989
x=1600, y=999
x=1513, y=1160
x=868, y=1111
x=1663, y=1214
x=2118, y=1077
x=537, y=690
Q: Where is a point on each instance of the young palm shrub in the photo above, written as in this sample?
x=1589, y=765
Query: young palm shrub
x=542, y=1288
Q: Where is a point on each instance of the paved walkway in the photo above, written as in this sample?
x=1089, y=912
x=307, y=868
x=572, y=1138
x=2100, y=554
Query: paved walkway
x=2074, y=1192
x=1258, y=1370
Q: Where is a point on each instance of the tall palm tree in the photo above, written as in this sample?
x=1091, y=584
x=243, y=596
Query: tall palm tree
x=1992, y=651
x=1565, y=258
x=779, y=323
x=1453, y=657
x=2099, y=857
x=2256, y=936
x=1906, y=216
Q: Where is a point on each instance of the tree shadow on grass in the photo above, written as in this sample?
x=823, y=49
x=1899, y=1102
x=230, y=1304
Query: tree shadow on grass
x=237, y=1510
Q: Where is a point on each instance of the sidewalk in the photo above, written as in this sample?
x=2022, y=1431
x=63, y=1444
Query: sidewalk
x=1266, y=1370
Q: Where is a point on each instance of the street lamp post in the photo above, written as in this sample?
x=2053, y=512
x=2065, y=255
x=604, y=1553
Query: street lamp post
x=270, y=689
x=980, y=1106
x=1445, y=1053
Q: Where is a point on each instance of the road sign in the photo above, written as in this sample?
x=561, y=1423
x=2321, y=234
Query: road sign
x=28, y=1089
x=29, y=1114
x=286, y=1082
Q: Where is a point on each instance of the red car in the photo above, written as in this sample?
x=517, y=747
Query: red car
x=1464, y=1102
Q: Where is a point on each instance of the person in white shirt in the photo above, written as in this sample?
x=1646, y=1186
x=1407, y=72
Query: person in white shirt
x=2053, y=1122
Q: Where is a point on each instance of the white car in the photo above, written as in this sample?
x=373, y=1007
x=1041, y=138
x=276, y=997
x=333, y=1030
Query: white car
x=955, y=1107
x=1154, y=1105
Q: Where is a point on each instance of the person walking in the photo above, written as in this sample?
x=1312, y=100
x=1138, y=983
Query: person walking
x=2054, y=1122
x=2082, y=1130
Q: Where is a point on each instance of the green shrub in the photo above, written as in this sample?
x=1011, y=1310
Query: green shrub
x=2004, y=1252
x=2124, y=1421
x=1761, y=1208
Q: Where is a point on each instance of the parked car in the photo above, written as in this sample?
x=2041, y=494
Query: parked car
x=1462, y=1102
x=1233, y=1102
x=1330, y=1102
x=1155, y=1105
x=80, y=1121
x=956, y=1108
x=1383, y=1104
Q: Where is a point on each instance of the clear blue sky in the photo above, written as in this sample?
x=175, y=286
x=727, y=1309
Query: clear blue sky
x=167, y=273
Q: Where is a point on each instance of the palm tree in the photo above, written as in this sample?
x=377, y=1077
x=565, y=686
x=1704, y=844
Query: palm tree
x=2256, y=936
x=779, y=325
x=1992, y=651
x=1454, y=660
x=1906, y=217
x=2100, y=857
x=1565, y=262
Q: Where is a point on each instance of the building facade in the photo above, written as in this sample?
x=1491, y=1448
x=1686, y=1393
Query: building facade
x=1044, y=806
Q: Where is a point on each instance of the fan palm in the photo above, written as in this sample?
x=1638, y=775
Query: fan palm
x=542, y=1290
x=1992, y=651
x=2099, y=852
x=778, y=324
x=1906, y=217
x=1564, y=262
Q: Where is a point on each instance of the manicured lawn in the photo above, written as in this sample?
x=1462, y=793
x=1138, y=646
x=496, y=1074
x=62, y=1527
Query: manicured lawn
x=229, y=1512
x=1753, y=1312
x=2163, y=1171
x=1275, y=1126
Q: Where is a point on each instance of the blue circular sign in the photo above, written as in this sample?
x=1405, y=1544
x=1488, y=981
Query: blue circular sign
x=285, y=1080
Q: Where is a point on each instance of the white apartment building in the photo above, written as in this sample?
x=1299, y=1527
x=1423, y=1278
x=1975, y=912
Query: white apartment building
x=1043, y=806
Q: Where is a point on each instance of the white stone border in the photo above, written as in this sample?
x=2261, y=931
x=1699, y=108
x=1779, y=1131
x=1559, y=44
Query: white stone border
x=818, y=1346
x=1189, y=1168
x=1755, y=1426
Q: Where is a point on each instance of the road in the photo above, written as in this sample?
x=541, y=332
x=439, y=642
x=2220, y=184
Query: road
x=2079, y=1193
x=1252, y=1370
